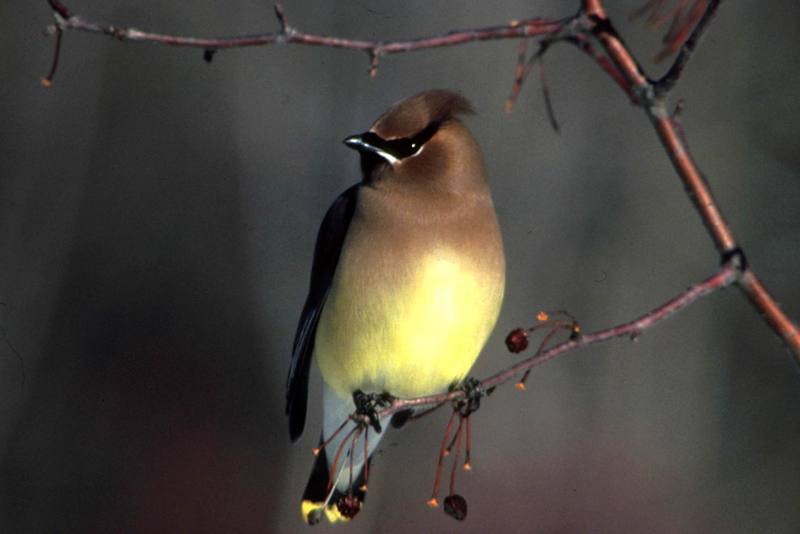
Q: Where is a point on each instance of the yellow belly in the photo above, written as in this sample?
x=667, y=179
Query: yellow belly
x=411, y=334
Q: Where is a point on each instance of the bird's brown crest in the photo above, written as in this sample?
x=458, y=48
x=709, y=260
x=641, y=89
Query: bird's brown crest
x=411, y=115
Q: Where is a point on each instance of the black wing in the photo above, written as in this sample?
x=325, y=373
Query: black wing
x=326, y=256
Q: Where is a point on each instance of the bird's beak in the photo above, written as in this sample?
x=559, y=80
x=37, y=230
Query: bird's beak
x=369, y=142
x=358, y=142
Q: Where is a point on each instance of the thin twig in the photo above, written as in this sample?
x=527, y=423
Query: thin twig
x=548, y=102
x=47, y=81
x=725, y=276
x=668, y=81
x=288, y=35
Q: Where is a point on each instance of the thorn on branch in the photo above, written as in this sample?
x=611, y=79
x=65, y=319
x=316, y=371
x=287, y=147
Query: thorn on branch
x=374, y=59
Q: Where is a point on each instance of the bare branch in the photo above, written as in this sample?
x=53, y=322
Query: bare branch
x=724, y=277
x=47, y=81
x=653, y=101
x=668, y=81
x=67, y=21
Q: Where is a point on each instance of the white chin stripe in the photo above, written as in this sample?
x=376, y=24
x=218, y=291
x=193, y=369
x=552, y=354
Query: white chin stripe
x=388, y=157
x=370, y=148
x=391, y=159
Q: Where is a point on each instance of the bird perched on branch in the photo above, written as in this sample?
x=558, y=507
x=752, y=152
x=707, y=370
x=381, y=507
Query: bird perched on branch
x=406, y=286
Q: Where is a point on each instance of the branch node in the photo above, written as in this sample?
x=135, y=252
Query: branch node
x=645, y=96
x=736, y=258
x=121, y=34
x=62, y=22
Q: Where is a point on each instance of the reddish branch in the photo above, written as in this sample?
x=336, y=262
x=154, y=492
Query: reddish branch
x=729, y=273
x=66, y=20
x=588, y=28
x=654, y=103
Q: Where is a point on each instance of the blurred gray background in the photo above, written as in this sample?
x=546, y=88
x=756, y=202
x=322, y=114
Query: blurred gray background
x=157, y=221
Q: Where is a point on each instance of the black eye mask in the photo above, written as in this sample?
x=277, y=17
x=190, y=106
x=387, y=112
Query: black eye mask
x=405, y=146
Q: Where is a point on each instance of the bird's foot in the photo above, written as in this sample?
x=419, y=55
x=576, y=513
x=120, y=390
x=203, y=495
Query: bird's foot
x=471, y=401
x=367, y=405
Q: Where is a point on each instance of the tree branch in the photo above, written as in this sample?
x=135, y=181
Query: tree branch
x=66, y=21
x=653, y=101
x=728, y=274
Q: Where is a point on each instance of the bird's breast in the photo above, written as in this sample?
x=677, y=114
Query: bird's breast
x=407, y=317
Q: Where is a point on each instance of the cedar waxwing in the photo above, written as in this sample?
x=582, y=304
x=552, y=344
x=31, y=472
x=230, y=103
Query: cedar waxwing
x=406, y=286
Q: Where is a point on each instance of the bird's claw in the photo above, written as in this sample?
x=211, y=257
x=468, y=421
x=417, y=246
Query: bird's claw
x=471, y=401
x=367, y=405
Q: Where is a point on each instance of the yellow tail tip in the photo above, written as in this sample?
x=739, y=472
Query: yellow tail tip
x=313, y=513
x=467, y=466
x=520, y=386
x=433, y=502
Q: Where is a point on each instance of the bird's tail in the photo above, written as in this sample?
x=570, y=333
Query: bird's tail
x=326, y=496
